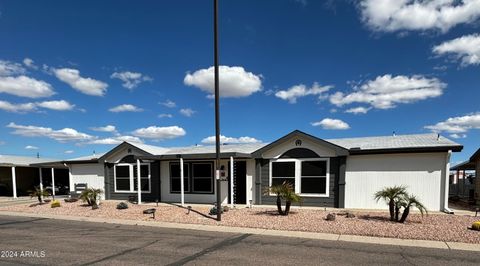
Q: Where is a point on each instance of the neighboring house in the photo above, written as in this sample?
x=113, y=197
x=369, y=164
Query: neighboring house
x=473, y=164
x=20, y=174
x=342, y=173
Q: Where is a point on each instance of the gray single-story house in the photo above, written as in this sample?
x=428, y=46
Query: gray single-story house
x=341, y=173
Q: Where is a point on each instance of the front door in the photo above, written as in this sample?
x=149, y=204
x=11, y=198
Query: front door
x=240, y=182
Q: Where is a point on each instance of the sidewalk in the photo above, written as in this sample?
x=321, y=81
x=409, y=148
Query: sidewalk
x=256, y=231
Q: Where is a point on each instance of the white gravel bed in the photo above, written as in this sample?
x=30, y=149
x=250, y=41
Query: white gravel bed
x=439, y=227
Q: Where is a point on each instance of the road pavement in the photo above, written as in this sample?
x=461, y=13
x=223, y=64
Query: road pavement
x=40, y=241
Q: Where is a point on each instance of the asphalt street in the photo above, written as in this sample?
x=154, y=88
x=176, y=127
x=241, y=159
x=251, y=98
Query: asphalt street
x=38, y=241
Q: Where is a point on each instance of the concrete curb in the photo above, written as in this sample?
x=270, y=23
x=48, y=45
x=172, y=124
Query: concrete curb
x=267, y=232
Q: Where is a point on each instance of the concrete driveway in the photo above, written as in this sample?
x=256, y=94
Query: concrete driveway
x=39, y=241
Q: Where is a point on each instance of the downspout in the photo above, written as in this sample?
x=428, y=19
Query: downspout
x=446, y=183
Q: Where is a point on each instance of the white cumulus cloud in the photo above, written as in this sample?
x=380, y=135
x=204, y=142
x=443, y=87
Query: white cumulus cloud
x=68, y=152
x=465, y=48
x=107, y=128
x=387, y=91
x=231, y=140
x=60, y=105
x=421, y=15
x=130, y=80
x=458, y=136
x=8, y=68
x=458, y=124
x=61, y=135
x=234, y=81
x=24, y=86
x=30, y=147
x=159, y=133
x=115, y=140
x=169, y=104
x=187, y=112
x=358, y=110
x=293, y=93
x=333, y=124
x=165, y=116
x=28, y=62
x=87, y=86
x=125, y=108
x=17, y=108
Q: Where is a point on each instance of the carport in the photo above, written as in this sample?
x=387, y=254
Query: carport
x=19, y=175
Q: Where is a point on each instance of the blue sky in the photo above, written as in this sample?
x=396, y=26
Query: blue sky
x=78, y=76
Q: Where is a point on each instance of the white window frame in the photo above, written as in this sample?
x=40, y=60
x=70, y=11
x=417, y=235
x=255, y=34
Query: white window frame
x=327, y=178
x=211, y=178
x=298, y=175
x=131, y=176
x=281, y=161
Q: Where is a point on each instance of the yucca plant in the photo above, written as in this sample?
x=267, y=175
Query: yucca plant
x=278, y=191
x=90, y=196
x=290, y=196
x=39, y=193
x=391, y=195
x=408, y=201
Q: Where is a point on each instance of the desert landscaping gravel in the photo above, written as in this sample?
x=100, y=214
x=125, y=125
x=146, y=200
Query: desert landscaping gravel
x=439, y=227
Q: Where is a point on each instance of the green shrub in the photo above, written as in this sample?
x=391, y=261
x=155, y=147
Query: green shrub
x=55, y=204
x=122, y=206
x=476, y=226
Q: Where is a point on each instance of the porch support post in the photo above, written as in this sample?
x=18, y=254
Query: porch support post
x=41, y=178
x=53, y=181
x=14, y=182
x=182, y=188
x=139, y=184
x=463, y=184
x=446, y=184
x=231, y=181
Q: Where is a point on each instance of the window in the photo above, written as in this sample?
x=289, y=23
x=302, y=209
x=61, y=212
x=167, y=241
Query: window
x=122, y=178
x=313, y=177
x=125, y=177
x=309, y=177
x=144, y=177
x=202, y=177
x=175, y=177
x=283, y=172
x=198, y=177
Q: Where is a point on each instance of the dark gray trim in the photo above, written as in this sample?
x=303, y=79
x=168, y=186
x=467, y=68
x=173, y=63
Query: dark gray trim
x=167, y=157
x=342, y=167
x=475, y=155
x=407, y=150
x=340, y=151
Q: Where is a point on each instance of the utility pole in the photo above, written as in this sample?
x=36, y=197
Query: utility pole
x=217, y=110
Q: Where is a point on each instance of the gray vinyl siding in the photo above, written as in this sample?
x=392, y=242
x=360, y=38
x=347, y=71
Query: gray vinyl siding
x=155, y=186
x=331, y=201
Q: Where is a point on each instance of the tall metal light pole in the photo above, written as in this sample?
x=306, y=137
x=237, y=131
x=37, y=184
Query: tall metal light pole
x=217, y=110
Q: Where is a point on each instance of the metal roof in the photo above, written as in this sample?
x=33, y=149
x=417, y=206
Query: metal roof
x=393, y=142
x=12, y=160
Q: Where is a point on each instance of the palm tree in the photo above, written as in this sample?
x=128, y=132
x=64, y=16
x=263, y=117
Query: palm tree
x=90, y=195
x=278, y=191
x=391, y=195
x=39, y=193
x=408, y=201
x=290, y=196
x=286, y=192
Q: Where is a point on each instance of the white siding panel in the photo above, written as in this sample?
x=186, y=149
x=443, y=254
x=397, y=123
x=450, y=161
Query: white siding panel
x=92, y=174
x=422, y=173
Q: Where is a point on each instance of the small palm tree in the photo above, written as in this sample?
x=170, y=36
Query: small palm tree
x=39, y=193
x=286, y=192
x=408, y=201
x=90, y=196
x=391, y=195
x=290, y=196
